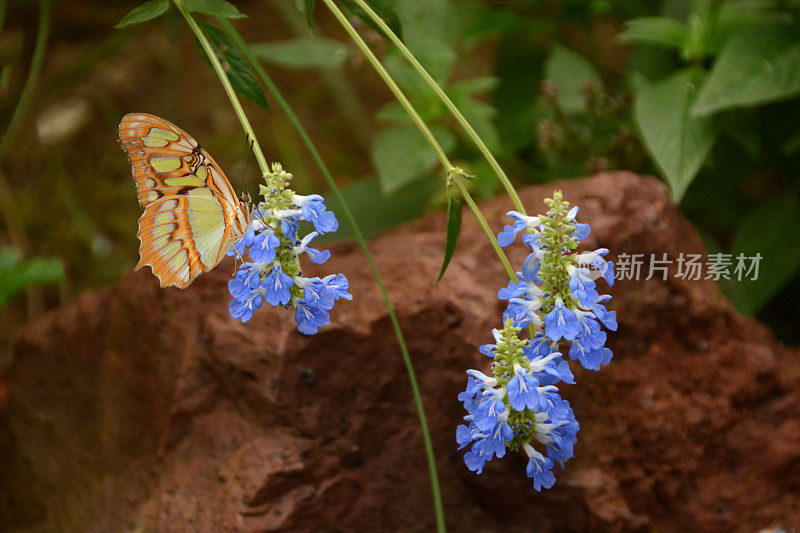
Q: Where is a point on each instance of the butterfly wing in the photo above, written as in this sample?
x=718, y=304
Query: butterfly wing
x=167, y=161
x=183, y=236
x=191, y=215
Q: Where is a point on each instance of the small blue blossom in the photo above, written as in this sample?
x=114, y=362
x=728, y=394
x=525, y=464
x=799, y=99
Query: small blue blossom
x=468, y=396
x=524, y=297
x=310, y=317
x=521, y=222
x=277, y=285
x=315, y=293
x=475, y=459
x=289, y=225
x=463, y=436
x=494, y=444
x=523, y=389
x=240, y=247
x=561, y=323
x=338, y=286
x=539, y=468
x=264, y=246
x=582, y=231
x=313, y=210
x=595, y=260
x=583, y=289
x=549, y=369
x=489, y=409
x=315, y=255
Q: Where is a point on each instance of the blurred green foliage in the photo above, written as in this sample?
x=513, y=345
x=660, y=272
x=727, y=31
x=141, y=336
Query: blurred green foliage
x=16, y=274
x=702, y=93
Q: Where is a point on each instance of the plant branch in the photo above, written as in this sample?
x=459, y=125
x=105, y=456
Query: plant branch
x=226, y=84
x=387, y=78
x=469, y=130
x=348, y=215
x=11, y=216
x=423, y=127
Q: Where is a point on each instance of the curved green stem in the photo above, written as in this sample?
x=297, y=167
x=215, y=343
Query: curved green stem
x=486, y=229
x=33, y=76
x=348, y=215
x=3, y=9
x=10, y=213
x=337, y=83
x=387, y=78
x=226, y=84
x=423, y=127
x=470, y=131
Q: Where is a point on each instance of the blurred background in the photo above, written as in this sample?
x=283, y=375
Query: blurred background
x=703, y=94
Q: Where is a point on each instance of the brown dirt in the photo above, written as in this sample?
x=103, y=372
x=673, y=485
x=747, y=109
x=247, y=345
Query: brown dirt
x=151, y=410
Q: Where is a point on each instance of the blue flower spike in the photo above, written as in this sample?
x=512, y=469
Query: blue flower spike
x=272, y=244
x=518, y=405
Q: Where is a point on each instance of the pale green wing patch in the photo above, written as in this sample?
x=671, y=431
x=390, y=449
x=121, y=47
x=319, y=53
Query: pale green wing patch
x=207, y=221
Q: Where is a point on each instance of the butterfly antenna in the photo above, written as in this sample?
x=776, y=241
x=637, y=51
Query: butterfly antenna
x=238, y=259
x=247, y=160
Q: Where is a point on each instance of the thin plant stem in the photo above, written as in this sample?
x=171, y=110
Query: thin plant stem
x=3, y=10
x=469, y=130
x=348, y=215
x=486, y=229
x=42, y=34
x=226, y=84
x=11, y=216
x=387, y=78
x=357, y=118
x=423, y=127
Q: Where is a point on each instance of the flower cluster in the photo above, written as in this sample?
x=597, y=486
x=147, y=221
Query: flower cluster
x=556, y=297
x=273, y=274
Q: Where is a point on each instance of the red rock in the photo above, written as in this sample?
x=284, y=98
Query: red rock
x=151, y=409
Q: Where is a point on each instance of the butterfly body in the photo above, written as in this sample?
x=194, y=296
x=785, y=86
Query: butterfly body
x=191, y=213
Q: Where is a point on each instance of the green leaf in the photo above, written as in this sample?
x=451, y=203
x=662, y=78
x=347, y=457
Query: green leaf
x=392, y=112
x=471, y=86
x=429, y=32
x=657, y=31
x=218, y=8
x=768, y=231
x=734, y=15
x=9, y=258
x=678, y=142
x=234, y=63
x=143, y=13
x=757, y=65
x=455, y=206
x=792, y=145
x=375, y=212
x=569, y=71
x=401, y=154
x=308, y=10
x=383, y=9
x=16, y=275
x=304, y=52
x=479, y=114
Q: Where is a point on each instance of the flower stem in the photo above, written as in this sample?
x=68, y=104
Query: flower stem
x=348, y=215
x=387, y=78
x=468, y=129
x=423, y=127
x=486, y=229
x=226, y=84
x=9, y=209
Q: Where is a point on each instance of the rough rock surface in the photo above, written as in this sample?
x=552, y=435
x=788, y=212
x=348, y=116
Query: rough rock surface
x=151, y=410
